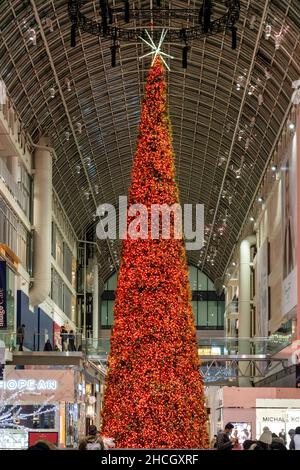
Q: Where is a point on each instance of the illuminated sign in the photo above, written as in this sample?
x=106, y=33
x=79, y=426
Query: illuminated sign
x=29, y=385
x=3, y=319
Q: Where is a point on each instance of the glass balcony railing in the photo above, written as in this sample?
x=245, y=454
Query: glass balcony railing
x=101, y=347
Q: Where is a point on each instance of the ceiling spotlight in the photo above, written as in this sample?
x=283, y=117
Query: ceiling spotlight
x=67, y=135
x=238, y=173
x=32, y=36
x=52, y=92
x=252, y=219
x=96, y=189
x=87, y=195
x=274, y=168
x=233, y=263
x=78, y=169
x=260, y=199
x=79, y=127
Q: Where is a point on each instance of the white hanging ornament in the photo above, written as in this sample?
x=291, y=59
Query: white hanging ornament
x=296, y=94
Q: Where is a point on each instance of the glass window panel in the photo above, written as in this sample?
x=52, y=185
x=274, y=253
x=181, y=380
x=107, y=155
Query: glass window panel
x=195, y=308
x=110, y=312
x=104, y=321
x=210, y=285
x=112, y=282
x=212, y=313
x=221, y=311
x=193, y=277
x=202, y=313
x=202, y=281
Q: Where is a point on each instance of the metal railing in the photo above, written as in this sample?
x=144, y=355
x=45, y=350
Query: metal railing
x=225, y=346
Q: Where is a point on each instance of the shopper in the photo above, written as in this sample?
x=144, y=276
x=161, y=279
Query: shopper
x=224, y=441
x=20, y=336
x=42, y=445
x=277, y=443
x=72, y=341
x=213, y=442
x=248, y=443
x=93, y=441
x=264, y=442
x=282, y=436
x=291, y=433
x=48, y=346
x=64, y=338
x=297, y=438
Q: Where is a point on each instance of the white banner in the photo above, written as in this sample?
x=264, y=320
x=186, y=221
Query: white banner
x=289, y=225
x=262, y=289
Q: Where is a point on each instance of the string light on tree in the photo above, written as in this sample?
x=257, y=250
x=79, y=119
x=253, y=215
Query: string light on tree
x=154, y=396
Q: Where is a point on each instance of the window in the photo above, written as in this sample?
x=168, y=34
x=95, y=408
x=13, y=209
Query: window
x=13, y=233
x=208, y=308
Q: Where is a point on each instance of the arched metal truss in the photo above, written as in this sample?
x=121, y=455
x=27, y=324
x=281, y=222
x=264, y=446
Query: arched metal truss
x=106, y=29
x=206, y=109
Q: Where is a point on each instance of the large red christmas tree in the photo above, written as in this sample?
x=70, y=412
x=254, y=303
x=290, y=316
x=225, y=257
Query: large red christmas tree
x=154, y=395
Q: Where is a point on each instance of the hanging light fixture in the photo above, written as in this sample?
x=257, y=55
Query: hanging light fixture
x=251, y=90
x=67, y=135
x=185, y=51
x=260, y=99
x=68, y=84
x=126, y=11
x=32, y=36
x=49, y=24
x=73, y=35
x=268, y=31
x=278, y=39
x=52, y=92
x=78, y=169
x=252, y=21
x=79, y=127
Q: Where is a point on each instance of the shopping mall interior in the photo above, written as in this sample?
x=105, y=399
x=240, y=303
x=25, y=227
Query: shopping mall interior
x=108, y=108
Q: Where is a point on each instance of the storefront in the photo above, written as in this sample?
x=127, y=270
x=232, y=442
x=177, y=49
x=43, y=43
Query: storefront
x=251, y=409
x=38, y=403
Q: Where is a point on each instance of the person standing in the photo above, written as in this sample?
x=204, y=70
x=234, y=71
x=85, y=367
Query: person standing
x=93, y=441
x=297, y=438
x=64, y=338
x=72, y=341
x=291, y=433
x=282, y=436
x=48, y=346
x=224, y=441
x=20, y=336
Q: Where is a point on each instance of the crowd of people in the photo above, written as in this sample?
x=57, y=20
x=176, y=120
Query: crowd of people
x=92, y=441
x=267, y=441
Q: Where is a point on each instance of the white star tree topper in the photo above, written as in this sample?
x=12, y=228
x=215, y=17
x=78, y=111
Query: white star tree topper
x=156, y=49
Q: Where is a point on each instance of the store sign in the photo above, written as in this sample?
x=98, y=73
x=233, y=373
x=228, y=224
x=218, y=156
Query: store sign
x=3, y=313
x=37, y=386
x=28, y=385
